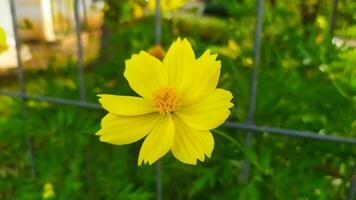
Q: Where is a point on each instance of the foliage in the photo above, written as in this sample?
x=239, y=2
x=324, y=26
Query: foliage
x=305, y=83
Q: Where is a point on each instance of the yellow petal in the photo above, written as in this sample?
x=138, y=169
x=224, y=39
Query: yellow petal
x=116, y=129
x=145, y=74
x=190, y=144
x=177, y=60
x=3, y=43
x=201, y=80
x=126, y=105
x=167, y=4
x=158, y=142
x=208, y=113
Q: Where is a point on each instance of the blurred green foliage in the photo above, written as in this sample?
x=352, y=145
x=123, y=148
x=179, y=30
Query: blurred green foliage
x=305, y=83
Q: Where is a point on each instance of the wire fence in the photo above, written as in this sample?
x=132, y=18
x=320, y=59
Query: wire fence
x=248, y=126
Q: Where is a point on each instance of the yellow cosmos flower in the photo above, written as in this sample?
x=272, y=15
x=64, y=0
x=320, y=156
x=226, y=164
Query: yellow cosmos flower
x=3, y=43
x=137, y=11
x=178, y=107
x=167, y=5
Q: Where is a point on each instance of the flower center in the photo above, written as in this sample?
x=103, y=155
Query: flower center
x=166, y=100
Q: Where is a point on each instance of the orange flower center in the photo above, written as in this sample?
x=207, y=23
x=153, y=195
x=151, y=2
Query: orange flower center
x=166, y=100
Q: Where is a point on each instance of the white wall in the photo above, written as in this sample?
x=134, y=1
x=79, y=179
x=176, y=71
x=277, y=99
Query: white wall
x=5, y=18
x=39, y=14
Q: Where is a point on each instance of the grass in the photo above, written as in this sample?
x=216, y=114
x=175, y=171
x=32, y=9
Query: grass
x=302, y=85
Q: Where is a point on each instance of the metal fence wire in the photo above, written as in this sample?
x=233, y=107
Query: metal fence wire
x=249, y=126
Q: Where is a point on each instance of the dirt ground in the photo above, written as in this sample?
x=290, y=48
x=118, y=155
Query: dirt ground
x=57, y=53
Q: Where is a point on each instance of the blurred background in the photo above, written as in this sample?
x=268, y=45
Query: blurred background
x=307, y=81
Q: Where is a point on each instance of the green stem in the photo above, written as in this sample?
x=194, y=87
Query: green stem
x=226, y=136
x=248, y=152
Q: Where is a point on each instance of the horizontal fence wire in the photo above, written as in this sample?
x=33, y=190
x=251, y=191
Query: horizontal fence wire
x=290, y=132
x=229, y=124
x=55, y=100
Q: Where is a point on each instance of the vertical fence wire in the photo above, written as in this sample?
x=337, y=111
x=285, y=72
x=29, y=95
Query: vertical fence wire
x=85, y=14
x=253, y=88
x=158, y=37
x=80, y=75
x=352, y=189
x=159, y=181
x=21, y=77
x=158, y=23
x=81, y=85
x=333, y=18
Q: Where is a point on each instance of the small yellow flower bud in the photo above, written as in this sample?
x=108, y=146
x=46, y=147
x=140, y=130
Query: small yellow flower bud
x=48, y=192
x=157, y=51
x=247, y=62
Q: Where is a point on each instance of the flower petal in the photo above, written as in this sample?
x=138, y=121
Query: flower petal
x=202, y=79
x=116, y=129
x=177, y=59
x=208, y=113
x=190, y=144
x=126, y=105
x=167, y=5
x=145, y=74
x=158, y=142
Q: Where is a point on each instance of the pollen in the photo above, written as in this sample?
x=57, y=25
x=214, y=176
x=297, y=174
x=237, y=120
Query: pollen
x=166, y=100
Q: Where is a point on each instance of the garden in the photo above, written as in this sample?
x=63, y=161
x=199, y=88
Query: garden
x=290, y=130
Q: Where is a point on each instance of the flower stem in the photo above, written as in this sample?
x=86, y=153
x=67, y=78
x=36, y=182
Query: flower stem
x=247, y=151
